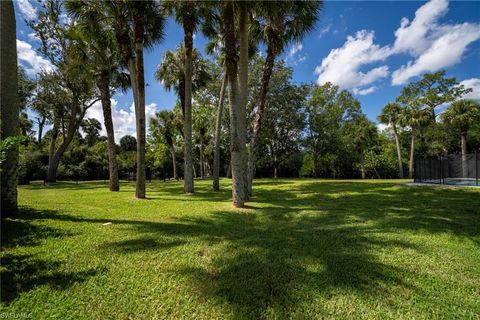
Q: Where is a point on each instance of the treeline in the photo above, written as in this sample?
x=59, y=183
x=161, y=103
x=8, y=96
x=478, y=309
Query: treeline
x=309, y=131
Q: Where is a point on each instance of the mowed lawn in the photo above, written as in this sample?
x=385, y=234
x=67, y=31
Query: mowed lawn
x=303, y=249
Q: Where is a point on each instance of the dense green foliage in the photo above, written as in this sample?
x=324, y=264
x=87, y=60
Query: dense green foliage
x=303, y=249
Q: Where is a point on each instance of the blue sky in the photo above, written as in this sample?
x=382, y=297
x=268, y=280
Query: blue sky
x=369, y=48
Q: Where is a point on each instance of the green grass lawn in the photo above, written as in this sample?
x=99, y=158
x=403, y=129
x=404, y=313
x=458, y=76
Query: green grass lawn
x=303, y=249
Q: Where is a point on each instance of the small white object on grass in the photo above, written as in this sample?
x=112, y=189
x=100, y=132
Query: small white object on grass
x=106, y=224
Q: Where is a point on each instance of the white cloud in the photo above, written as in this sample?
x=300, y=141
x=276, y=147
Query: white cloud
x=296, y=47
x=382, y=127
x=294, y=57
x=445, y=51
x=474, y=84
x=30, y=60
x=413, y=36
x=27, y=10
x=342, y=65
x=434, y=46
x=364, y=92
x=33, y=36
x=324, y=31
x=123, y=120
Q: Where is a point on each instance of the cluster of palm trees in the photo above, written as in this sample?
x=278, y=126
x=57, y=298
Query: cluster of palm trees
x=415, y=110
x=234, y=27
x=101, y=47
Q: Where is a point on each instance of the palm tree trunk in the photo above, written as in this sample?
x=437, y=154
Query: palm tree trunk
x=202, y=169
x=362, y=165
x=174, y=162
x=464, y=156
x=237, y=144
x=399, y=152
x=188, y=26
x=267, y=73
x=275, y=166
x=139, y=30
x=104, y=89
x=218, y=128
x=9, y=113
x=243, y=91
x=412, y=155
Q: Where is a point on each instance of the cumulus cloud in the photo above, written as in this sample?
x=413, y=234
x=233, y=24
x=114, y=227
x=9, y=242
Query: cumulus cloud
x=434, y=46
x=474, y=84
x=342, y=65
x=27, y=10
x=123, y=120
x=445, y=51
x=413, y=36
x=30, y=60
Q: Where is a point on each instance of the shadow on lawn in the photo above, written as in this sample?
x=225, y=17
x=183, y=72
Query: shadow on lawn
x=303, y=240
x=20, y=272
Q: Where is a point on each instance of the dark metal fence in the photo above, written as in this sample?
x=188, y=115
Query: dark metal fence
x=452, y=169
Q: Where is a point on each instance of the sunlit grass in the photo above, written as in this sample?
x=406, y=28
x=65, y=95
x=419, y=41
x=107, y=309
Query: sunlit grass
x=302, y=249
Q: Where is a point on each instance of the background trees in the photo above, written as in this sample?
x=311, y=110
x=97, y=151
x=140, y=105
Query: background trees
x=462, y=115
x=390, y=115
x=281, y=23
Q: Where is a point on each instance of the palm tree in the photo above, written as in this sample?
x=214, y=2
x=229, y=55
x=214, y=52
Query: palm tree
x=136, y=25
x=213, y=29
x=462, y=114
x=237, y=138
x=9, y=113
x=390, y=116
x=281, y=23
x=413, y=117
x=218, y=128
x=187, y=14
x=201, y=122
x=165, y=122
x=98, y=51
x=171, y=73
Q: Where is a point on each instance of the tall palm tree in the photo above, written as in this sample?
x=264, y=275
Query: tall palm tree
x=187, y=14
x=237, y=137
x=218, y=128
x=165, y=122
x=390, y=116
x=99, y=52
x=171, y=73
x=9, y=112
x=413, y=117
x=136, y=25
x=280, y=23
x=213, y=29
x=462, y=114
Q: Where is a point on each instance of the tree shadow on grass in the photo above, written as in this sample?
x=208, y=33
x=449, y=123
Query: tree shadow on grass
x=304, y=242
x=24, y=272
x=21, y=230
